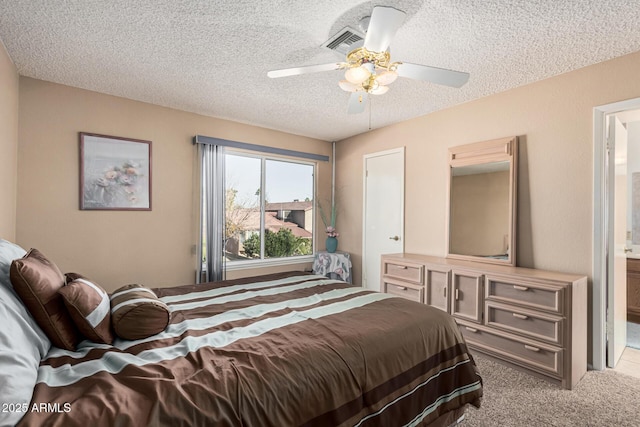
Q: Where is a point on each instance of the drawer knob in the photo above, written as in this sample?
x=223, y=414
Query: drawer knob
x=402, y=288
x=520, y=288
x=520, y=316
x=531, y=348
x=470, y=329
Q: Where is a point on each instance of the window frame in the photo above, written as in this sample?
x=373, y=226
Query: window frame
x=273, y=262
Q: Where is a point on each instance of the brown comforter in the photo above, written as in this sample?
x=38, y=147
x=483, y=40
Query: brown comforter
x=278, y=350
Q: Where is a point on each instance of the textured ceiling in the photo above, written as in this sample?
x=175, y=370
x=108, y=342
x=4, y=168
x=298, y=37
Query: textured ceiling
x=211, y=57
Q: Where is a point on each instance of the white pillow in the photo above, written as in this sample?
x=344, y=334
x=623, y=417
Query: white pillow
x=8, y=252
x=22, y=342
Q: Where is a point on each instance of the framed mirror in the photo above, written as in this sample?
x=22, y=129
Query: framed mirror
x=482, y=201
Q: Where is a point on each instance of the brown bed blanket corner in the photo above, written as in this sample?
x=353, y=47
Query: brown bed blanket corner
x=278, y=350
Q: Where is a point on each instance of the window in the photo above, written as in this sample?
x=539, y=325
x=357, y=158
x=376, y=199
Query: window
x=268, y=208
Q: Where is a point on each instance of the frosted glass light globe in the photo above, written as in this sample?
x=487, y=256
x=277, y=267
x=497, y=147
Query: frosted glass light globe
x=357, y=75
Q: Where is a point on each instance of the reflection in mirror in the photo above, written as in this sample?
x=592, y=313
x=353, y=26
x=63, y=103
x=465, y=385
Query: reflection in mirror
x=480, y=210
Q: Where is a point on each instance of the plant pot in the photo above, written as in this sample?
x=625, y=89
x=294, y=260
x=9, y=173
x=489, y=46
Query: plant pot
x=332, y=244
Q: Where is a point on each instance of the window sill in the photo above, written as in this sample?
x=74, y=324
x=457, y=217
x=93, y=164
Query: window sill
x=250, y=264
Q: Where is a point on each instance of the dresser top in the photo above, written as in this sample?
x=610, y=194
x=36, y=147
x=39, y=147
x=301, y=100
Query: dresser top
x=486, y=268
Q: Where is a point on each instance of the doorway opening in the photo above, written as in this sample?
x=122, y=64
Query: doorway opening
x=630, y=120
x=616, y=230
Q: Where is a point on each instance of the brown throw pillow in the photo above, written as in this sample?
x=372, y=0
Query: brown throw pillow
x=137, y=313
x=37, y=281
x=70, y=277
x=90, y=308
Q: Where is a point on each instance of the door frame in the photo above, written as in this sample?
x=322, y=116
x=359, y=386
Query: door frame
x=399, y=150
x=601, y=218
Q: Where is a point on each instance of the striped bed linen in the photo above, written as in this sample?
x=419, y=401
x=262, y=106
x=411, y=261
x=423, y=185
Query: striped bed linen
x=286, y=349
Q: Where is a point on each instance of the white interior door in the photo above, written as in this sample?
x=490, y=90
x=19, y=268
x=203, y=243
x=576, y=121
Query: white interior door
x=617, y=240
x=383, y=222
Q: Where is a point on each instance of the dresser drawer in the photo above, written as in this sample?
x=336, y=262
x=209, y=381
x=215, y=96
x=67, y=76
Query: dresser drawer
x=529, y=323
x=413, y=293
x=404, y=271
x=537, y=356
x=528, y=294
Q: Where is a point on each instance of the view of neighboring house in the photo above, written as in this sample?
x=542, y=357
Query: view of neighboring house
x=296, y=212
x=296, y=216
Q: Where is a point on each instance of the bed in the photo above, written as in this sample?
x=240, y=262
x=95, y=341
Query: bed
x=288, y=349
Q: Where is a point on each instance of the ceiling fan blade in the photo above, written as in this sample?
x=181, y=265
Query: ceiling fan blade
x=357, y=102
x=440, y=76
x=305, y=70
x=383, y=25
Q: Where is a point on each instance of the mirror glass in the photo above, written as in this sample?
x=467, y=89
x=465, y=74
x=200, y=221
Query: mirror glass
x=480, y=222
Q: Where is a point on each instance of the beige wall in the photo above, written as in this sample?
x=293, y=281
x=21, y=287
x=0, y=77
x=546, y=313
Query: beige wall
x=554, y=120
x=8, y=145
x=114, y=248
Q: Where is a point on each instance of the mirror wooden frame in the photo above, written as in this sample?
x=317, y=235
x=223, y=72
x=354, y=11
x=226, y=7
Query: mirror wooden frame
x=497, y=150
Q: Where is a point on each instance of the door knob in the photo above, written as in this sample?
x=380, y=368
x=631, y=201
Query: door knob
x=396, y=238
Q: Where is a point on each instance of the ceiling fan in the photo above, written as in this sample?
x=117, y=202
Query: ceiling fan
x=369, y=69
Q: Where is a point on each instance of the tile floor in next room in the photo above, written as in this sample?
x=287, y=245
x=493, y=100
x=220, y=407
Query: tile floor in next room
x=629, y=363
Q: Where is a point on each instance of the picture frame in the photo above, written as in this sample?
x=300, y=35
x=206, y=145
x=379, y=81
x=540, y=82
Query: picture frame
x=115, y=173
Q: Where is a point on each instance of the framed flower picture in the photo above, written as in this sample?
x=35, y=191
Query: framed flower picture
x=115, y=173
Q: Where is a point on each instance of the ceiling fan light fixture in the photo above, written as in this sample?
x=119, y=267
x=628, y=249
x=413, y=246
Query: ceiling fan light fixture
x=357, y=75
x=368, y=67
x=386, y=77
x=347, y=86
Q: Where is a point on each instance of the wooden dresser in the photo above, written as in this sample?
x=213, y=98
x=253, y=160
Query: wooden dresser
x=530, y=319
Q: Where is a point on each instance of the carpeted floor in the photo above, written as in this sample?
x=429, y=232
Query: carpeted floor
x=633, y=335
x=515, y=399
